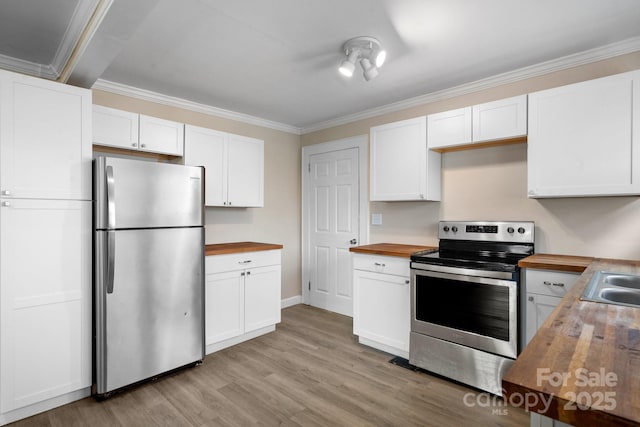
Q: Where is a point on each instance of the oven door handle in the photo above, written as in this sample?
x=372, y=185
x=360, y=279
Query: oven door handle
x=424, y=269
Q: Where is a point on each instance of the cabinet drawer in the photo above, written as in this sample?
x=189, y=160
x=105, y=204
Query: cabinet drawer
x=241, y=261
x=548, y=282
x=382, y=264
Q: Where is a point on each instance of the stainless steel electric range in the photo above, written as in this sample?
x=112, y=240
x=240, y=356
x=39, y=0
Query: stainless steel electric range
x=466, y=301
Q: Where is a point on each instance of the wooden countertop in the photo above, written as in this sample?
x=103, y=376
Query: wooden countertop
x=238, y=247
x=583, y=341
x=391, y=249
x=556, y=262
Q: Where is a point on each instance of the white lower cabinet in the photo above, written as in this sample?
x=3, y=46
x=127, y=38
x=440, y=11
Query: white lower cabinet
x=242, y=297
x=544, y=290
x=381, y=298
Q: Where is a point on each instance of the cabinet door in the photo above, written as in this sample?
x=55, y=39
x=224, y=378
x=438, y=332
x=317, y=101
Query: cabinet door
x=224, y=306
x=245, y=180
x=401, y=166
x=580, y=139
x=449, y=128
x=539, y=307
x=45, y=139
x=262, y=297
x=115, y=128
x=206, y=147
x=382, y=308
x=161, y=136
x=45, y=300
x=505, y=118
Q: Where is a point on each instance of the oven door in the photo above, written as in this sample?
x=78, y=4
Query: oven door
x=478, y=312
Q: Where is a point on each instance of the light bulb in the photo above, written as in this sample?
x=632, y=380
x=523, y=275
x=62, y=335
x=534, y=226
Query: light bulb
x=380, y=57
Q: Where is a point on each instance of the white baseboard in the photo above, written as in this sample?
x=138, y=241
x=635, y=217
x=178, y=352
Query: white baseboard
x=288, y=302
x=36, y=408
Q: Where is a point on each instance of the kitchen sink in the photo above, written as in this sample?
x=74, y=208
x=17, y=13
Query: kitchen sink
x=613, y=288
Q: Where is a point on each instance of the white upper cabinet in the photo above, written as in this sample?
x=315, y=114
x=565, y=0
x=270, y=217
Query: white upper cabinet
x=491, y=121
x=505, y=118
x=115, y=128
x=245, y=166
x=161, y=136
x=208, y=148
x=234, y=166
x=45, y=139
x=123, y=129
x=401, y=166
x=584, y=138
x=449, y=128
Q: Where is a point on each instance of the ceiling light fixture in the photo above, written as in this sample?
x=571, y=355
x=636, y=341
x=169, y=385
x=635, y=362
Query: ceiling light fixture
x=366, y=49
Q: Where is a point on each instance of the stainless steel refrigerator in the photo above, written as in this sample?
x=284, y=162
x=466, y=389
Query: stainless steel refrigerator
x=149, y=270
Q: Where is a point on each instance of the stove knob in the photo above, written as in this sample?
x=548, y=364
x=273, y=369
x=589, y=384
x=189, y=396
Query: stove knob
x=510, y=230
x=521, y=230
x=446, y=228
x=454, y=229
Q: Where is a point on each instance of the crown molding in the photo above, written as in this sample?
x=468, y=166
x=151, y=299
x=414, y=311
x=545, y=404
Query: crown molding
x=147, y=95
x=27, y=67
x=569, y=61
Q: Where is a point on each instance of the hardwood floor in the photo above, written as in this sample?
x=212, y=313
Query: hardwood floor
x=309, y=372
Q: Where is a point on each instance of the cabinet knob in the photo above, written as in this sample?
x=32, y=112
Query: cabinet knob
x=6, y=192
x=6, y=204
x=248, y=273
x=143, y=145
x=406, y=282
x=134, y=145
x=530, y=298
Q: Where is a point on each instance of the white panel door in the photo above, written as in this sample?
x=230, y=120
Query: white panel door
x=45, y=139
x=224, y=306
x=245, y=181
x=505, y=118
x=539, y=307
x=161, y=136
x=382, y=309
x=449, y=128
x=115, y=128
x=207, y=147
x=262, y=297
x=581, y=140
x=45, y=297
x=333, y=195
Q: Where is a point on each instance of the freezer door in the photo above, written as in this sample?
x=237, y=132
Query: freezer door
x=150, y=318
x=143, y=194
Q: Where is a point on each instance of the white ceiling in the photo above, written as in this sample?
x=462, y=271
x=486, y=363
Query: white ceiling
x=277, y=60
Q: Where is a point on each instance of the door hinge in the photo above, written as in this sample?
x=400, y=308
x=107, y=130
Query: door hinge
x=309, y=285
x=309, y=167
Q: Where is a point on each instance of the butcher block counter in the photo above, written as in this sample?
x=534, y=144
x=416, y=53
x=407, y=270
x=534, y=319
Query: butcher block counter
x=391, y=249
x=238, y=247
x=570, y=263
x=586, y=352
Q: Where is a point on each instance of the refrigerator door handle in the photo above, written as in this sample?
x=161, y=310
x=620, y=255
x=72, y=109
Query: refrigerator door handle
x=111, y=199
x=111, y=258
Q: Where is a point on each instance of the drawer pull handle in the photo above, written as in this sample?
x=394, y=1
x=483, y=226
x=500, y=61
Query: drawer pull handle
x=378, y=264
x=247, y=261
x=559, y=284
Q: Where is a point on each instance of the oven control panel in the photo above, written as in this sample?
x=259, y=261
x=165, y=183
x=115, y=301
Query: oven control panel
x=494, y=231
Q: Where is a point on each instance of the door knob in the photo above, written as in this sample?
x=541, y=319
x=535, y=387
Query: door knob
x=353, y=242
